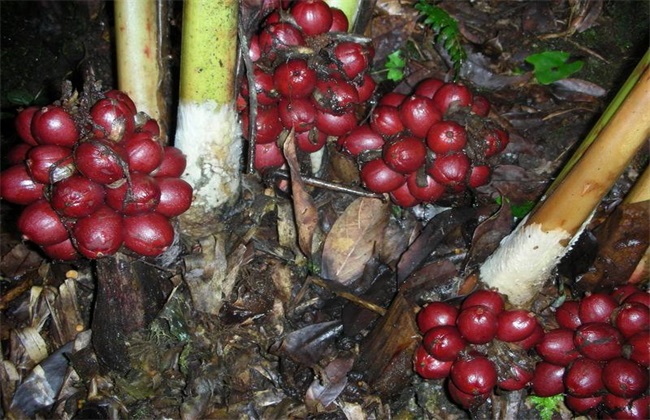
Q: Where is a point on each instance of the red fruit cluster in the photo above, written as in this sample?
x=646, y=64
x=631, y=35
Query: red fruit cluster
x=305, y=78
x=599, y=355
x=434, y=141
x=94, y=180
x=450, y=337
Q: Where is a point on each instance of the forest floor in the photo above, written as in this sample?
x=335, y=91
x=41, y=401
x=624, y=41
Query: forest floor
x=286, y=343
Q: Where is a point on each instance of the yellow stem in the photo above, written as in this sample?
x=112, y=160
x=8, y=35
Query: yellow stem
x=140, y=70
x=641, y=189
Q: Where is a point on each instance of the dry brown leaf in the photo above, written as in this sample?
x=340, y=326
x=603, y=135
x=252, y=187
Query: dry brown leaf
x=354, y=239
x=304, y=210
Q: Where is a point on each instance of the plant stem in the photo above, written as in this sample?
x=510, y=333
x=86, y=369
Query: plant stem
x=641, y=189
x=208, y=129
x=140, y=48
x=526, y=258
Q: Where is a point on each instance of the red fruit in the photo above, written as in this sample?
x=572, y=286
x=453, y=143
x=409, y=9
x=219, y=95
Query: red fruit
x=425, y=189
x=16, y=186
x=517, y=377
x=450, y=170
x=404, y=154
x=148, y=234
x=143, y=152
x=77, y=196
x=625, y=378
x=335, y=125
x=480, y=106
x=547, y=379
x=631, y=318
x=598, y=341
x=465, y=400
x=54, y=125
x=567, y=315
x=112, y=119
x=628, y=408
x=254, y=48
x=515, y=325
x=582, y=378
x=351, y=58
x=313, y=16
x=122, y=98
x=596, y=307
x=334, y=96
x=620, y=293
x=294, y=79
x=40, y=224
x=477, y=324
x=102, y=161
x=311, y=141
x=488, y=298
x=479, y=175
x=339, y=21
x=533, y=339
x=267, y=156
x=140, y=195
x=444, y=342
x=365, y=87
x=446, y=137
x=267, y=124
x=150, y=126
x=394, y=99
x=428, y=366
x=175, y=196
x=264, y=87
x=386, y=121
x=279, y=36
x=402, y=197
x=48, y=163
x=297, y=113
x=379, y=178
x=436, y=314
x=173, y=163
x=637, y=348
x=419, y=113
x=582, y=405
x=474, y=374
x=558, y=347
x=23, y=123
x=18, y=153
x=63, y=251
x=639, y=297
x=494, y=142
x=100, y=234
x=360, y=139
x=452, y=93
x=428, y=87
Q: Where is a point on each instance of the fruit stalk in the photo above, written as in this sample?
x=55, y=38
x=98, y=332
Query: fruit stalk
x=208, y=131
x=140, y=43
x=525, y=258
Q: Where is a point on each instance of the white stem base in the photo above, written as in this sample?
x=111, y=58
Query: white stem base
x=208, y=134
x=524, y=261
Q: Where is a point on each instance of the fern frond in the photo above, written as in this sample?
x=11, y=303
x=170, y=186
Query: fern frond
x=446, y=31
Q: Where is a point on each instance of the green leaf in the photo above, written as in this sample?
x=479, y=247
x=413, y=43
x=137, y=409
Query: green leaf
x=20, y=97
x=395, y=65
x=551, y=66
x=547, y=406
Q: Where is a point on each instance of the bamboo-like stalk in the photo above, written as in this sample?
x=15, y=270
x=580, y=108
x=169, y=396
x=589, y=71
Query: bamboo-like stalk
x=140, y=57
x=208, y=130
x=604, y=118
x=641, y=189
x=525, y=259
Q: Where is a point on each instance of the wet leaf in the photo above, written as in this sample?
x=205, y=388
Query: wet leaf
x=329, y=383
x=19, y=260
x=354, y=239
x=304, y=210
x=308, y=345
x=488, y=235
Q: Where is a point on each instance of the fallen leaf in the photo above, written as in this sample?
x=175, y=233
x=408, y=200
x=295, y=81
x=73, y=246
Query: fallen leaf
x=354, y=239
x=304, y=210
x=309, y=344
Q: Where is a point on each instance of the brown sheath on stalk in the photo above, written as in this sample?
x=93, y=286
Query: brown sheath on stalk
x=127, y=298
